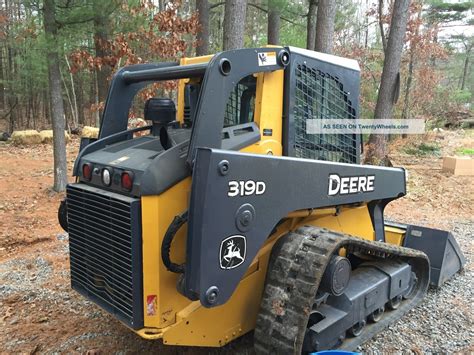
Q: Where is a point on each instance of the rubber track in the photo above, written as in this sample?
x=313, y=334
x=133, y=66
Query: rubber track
x=295, y=270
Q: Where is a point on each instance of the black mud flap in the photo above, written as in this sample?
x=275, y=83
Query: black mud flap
x=62, y=215
x=446, y=257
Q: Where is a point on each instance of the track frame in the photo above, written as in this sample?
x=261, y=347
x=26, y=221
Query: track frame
x=297, y=264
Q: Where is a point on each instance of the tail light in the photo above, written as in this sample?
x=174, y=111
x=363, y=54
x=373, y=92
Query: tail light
x=127, y=180
x=87, y=171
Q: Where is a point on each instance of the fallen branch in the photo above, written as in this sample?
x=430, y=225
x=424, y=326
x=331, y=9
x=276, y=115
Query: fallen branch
x=9, y=112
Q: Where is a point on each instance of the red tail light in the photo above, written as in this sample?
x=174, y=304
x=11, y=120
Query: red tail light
x=127, y=180
x=87, y=171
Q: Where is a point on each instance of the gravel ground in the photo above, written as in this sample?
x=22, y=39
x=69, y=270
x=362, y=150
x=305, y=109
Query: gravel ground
x=443, y=322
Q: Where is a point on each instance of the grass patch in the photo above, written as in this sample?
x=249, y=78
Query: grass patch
x=465, y=151
x=424, y=149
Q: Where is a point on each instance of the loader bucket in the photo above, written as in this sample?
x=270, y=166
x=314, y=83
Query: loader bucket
x=446, y=258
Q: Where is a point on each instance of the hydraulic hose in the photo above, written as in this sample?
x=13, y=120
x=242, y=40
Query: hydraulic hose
x=173, y=228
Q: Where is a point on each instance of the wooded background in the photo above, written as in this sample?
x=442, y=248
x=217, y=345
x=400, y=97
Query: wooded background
x=57, y=56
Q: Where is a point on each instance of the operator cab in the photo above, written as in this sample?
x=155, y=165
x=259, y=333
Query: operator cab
x=216, y=106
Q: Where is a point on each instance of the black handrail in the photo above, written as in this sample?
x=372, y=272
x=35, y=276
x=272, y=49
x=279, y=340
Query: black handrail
x=167, y=73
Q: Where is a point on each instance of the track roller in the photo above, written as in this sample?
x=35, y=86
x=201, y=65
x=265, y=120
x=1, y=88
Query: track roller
x=395, y=302
x=357, y=328
x=376, y=315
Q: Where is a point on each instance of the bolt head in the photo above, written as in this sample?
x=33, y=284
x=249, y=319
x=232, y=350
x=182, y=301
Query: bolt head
x=223, y=167
x=246, y=218
x=211, y=295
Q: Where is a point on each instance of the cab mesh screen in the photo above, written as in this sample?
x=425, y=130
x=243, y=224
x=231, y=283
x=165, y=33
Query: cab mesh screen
x=232, y=111
x=319, y=95
x=241, y=102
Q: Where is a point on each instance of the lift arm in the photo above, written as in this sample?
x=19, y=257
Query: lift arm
x=237, y=199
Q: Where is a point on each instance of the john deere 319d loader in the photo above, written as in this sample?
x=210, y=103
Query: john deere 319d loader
x=224, y=216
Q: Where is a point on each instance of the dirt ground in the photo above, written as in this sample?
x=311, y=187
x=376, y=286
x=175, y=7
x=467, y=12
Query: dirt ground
x=40, y=313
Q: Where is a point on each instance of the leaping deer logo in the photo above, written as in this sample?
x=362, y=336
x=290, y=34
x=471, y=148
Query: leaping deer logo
x=232, y=252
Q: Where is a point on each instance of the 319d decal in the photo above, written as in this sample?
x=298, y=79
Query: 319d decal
x=246, y=188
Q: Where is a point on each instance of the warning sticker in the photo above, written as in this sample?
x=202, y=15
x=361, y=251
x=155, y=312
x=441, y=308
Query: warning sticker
x=266, y=58
x=119, y=160
x=151, y=303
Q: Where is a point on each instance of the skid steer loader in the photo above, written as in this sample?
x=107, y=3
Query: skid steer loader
x=225, y=216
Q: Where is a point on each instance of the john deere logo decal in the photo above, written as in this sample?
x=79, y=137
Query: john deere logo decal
x=346, y=185
x=232, y=252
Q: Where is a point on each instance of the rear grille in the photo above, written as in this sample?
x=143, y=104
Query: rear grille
x=105, y=250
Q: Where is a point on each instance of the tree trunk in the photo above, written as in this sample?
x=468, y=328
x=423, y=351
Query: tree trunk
x=102, y=28
x=12, y=99
x=36, y=105
x=382, y=31
x=2, y=79
x=97, y=115
x=71, y=105
x=273, y=29
x=411, y=66
x=29, y=106
x=311, y=24
x=435, y=41
x=406, y=101
x=46, y=111
x=325, y=26
x=80, y=100
x=73, y=94
x=377, y=150
x=57, y=108
x=465, y=70
x=234, y=24
x=202, y=48
x=366, y=24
